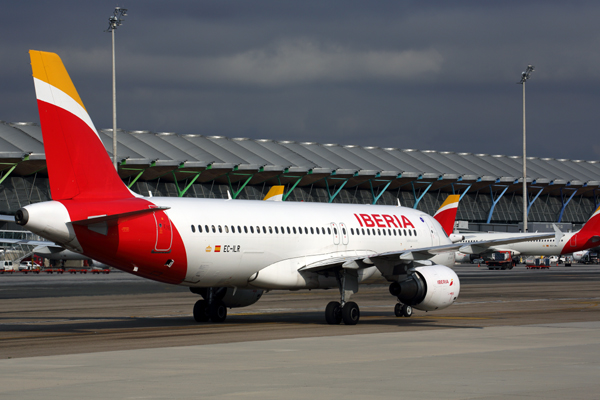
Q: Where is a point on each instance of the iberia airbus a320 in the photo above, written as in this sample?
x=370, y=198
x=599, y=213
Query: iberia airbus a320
x=227, y=251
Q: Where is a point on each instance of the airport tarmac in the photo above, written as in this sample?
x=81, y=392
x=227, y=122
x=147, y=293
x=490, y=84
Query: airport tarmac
x=519, y=333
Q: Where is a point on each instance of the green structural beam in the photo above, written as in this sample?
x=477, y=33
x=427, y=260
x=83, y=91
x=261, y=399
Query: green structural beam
x=419, y=198
x=332, y=197
x=235, y=194
x=7, y=174
x=286, y=195
x=381, y=192
x=182, y=192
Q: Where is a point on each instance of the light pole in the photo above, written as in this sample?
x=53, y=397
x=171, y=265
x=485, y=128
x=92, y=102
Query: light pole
x=115, y=21
x=524, y=77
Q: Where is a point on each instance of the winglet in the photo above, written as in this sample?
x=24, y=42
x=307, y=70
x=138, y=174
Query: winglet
x=78, y=164
x=558, y=234
x=446, y=215
x=275, y=193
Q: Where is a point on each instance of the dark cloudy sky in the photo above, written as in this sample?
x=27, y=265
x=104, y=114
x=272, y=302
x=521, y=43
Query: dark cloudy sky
x=410, y=74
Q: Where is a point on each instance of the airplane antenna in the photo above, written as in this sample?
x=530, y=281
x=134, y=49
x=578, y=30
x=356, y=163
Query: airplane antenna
x=115, y=21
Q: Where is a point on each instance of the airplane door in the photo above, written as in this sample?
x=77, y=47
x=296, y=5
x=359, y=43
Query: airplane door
x=344, y=233
x=164, y=232
x=335, y=233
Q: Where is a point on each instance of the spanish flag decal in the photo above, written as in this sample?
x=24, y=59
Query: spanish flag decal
x=218, y=248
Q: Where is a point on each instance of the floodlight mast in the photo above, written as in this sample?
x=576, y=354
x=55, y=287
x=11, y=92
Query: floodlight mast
x=115, y=21
x=524, y=77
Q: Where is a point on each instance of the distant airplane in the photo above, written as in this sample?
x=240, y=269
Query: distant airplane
x=228, y=252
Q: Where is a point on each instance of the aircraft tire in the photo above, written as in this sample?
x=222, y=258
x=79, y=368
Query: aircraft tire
x=398, y=310
x=407, y=310
x=333, y=313
x=217, y=311
x=200, y=314
x=350, y=313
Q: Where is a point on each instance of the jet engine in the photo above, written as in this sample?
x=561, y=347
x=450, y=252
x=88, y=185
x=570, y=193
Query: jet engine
x=428, y=288
x=232, y=298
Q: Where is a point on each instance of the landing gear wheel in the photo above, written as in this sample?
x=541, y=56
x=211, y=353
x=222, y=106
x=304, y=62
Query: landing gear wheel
x=398, y=310
x=350, y=313
x=333, y=313
x=406, y=310
x=217, y=311
x=200, y=314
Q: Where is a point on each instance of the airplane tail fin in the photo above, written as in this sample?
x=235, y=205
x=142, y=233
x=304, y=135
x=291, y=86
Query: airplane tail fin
x=446, y=214
x=78, y=164
x=275, y=193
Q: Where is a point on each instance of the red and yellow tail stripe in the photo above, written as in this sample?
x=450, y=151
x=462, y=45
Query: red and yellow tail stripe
x=446, y=214
x=54, y=86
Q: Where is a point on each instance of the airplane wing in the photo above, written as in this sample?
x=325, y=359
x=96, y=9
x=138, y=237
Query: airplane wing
x=30, y=242
x=419, y=255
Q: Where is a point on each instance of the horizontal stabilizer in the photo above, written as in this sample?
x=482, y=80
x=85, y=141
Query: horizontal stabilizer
x=114, y=218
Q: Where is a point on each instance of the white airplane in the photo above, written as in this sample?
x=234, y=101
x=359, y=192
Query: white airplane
x=564, y=243
x=228, y=251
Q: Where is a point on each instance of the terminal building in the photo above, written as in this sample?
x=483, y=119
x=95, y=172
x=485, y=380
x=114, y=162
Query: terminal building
x=193, y=165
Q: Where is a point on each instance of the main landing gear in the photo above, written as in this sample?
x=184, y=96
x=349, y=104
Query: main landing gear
x=346, y=311
x=400, y=310
x=211, y=307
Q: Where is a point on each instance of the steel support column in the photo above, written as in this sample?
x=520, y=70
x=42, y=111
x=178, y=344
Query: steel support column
x=381, y=192
x=494, y=202
x=418, y=199
x=562, y=199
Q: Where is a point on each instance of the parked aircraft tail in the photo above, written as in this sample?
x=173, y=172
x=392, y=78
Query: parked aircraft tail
x=587, y=237
x=446, y=214
x=78, y=164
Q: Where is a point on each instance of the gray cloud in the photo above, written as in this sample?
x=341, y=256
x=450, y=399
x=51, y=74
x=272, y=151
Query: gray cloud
x=426, y=75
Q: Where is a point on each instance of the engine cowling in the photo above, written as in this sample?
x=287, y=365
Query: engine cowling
x=232, y=298
x=430, y=288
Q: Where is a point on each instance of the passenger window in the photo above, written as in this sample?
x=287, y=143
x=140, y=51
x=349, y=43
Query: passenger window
x=294, y=228
x=415, y=232
x=220, y=229
x=251, y=229
x=193, y=229
x=383, y=232
x=323, y=231
x=246, y=229
x=405, y=232
x=344, y=231
x=363, y=231
x=394, y=232
x=276, y=230
x=226, y=229
x=409, y=232
x=300, y=230
x=264, y=230
x=335, y=231
x=379, y=232
x=199, y=228
x=368, y=232
x=312, y=231
x=352, y=231
x=206, y=227
x=270, y=230
x=258, y=229
x=214, y=229
x=288, y=229
x=329, y=231
x=239, y=229
x=306, y=230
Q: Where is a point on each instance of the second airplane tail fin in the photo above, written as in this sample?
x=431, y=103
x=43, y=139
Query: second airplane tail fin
x=78, y=164
x=446, y=214
x=588, y=236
